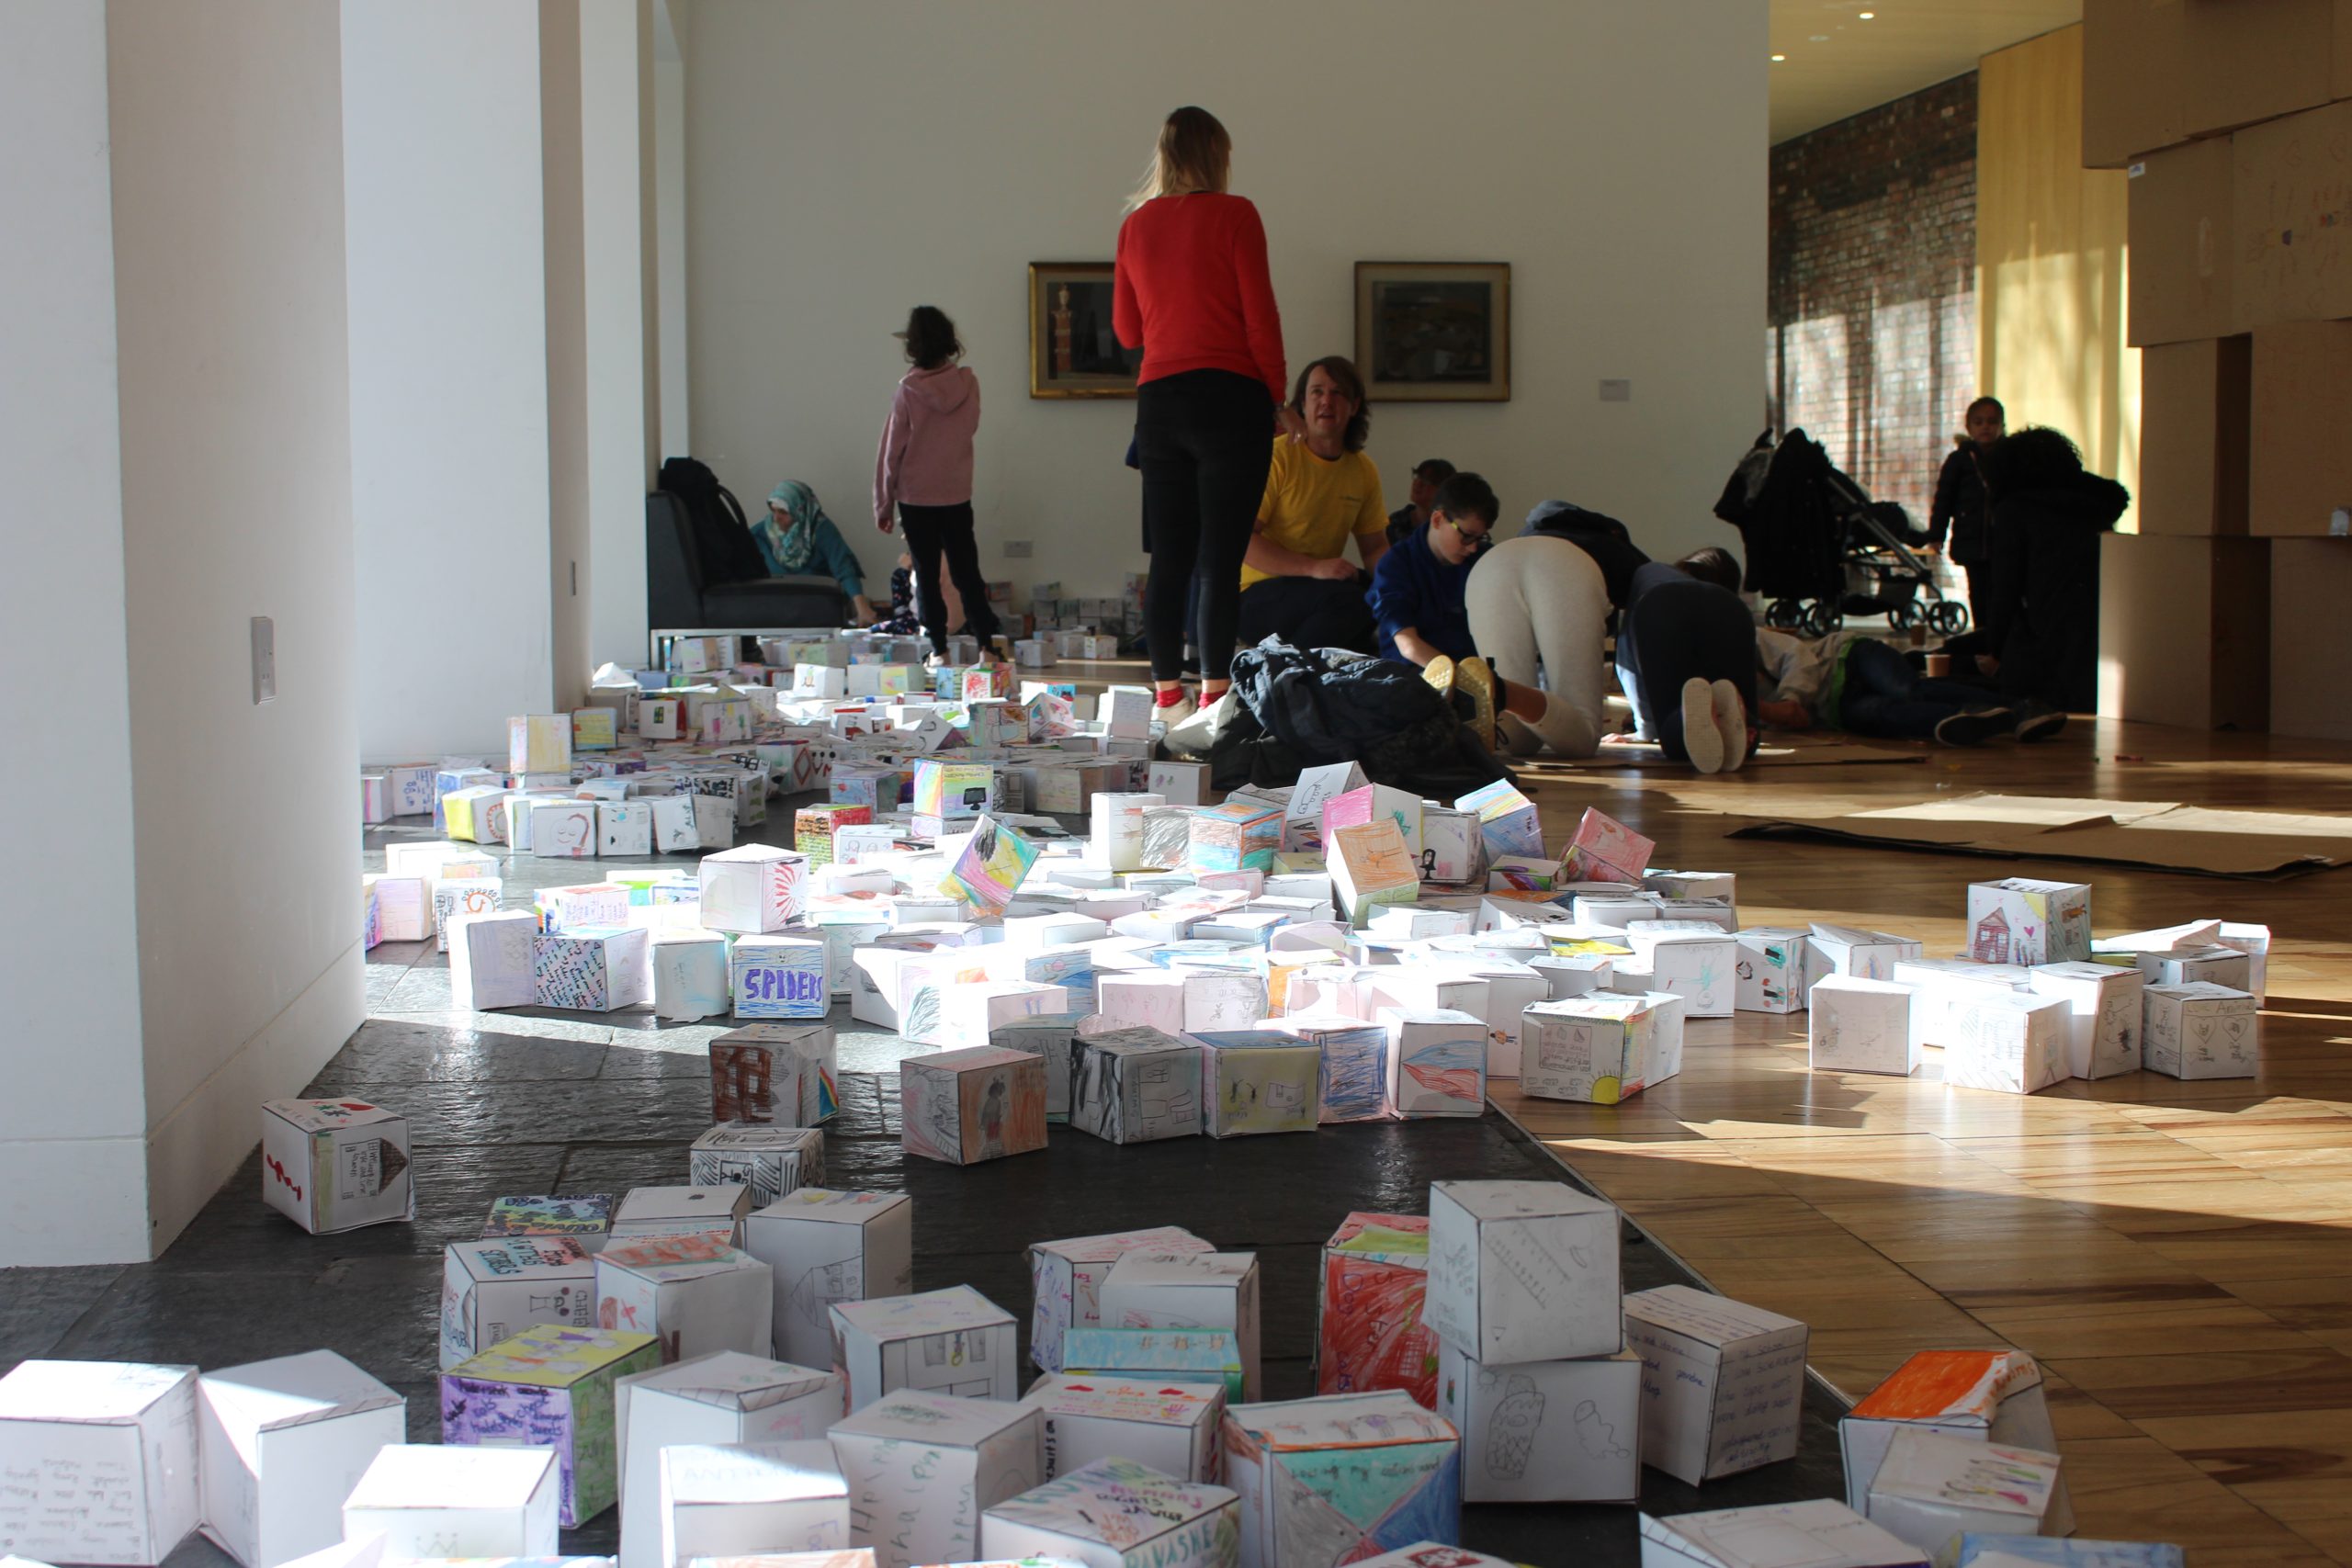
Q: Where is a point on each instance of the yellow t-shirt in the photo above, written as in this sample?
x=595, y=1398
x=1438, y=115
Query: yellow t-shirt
x=1312, y=504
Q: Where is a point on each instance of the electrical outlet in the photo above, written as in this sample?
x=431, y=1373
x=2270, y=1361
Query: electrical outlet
x=1016, y=549
x=265, y=635
x=1616, y=391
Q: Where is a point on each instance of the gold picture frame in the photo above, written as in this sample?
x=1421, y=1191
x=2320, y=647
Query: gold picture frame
x=1433, y=332
x=1072, y=351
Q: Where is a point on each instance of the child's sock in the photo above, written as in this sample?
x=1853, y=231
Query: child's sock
x=1169, y=697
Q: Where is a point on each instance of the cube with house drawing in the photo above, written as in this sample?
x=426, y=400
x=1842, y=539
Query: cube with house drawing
x=1190, y=1290
x=1368, y=1308
x=2009, y=1042
x=769, y=1160
x=2198, y=1031
x=745, y=1500
x=1596, y=1048
x=1523, y=1271
x=1722, y=1383
x=962, y=1106
x=1566, y=1431
x=905, y=1445
x=755, y=888
x=495, y=1287
x=283, y=1441
x=550, y=1387
x=779, y=976
x=950, y=1341
x=101, y=1460
x=1171, y=1427
x=335, y=1165
x=825, y=1246
x=1115, y=1513
x=2020, y=920
x=431, y=1499
x=1860, y=1025
x=1131, y=1086
x=1993, y=1396
x=594, y=969
x=694, y=1293
x=786, y=1074
x=1273, y=1451
x=1066, y=1281
x=723, y=1399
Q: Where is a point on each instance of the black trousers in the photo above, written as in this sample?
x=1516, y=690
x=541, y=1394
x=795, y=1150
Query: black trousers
x=1678, y=630
x=1205, y=439
x=932, y=531
x=1309, y=612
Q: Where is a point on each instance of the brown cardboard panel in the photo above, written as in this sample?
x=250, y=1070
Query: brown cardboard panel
x=2182, y=631
x=2290, y=221
x=2256, y=60
x=2193, y=435
x=2179, y=229
x=2310, y=637
x=2134, y=79
x=2299, y=474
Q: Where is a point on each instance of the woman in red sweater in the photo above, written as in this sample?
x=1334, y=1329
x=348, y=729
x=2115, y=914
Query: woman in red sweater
x=1192, y=291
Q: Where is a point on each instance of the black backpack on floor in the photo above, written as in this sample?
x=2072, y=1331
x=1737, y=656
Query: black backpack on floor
x=722, y=534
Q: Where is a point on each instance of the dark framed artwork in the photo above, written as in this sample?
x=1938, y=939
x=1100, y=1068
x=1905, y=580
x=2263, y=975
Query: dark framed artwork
x=1072, y=351
x=1433, y=332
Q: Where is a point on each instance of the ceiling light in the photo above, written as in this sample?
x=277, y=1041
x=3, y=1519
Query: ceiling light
x=1780, y=57
x=1866, y=16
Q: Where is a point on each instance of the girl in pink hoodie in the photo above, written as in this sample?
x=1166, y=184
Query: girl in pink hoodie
x=923, y=472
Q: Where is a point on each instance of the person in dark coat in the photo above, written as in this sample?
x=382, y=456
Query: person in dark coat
x=1959, y=510
x=2041, y=618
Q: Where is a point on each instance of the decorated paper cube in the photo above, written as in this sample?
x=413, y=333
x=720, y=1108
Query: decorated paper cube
x=2056, y=1551
x=2212, y=966
x=1276, y=1453
x=2009, y=1042
x=2019, y=921
x=495, y=1287
x=1987, y=1397
x=1524, y=1270
x=1452, y=845
x=780, y=1073
x=476, y=815
x=403, y=906
x=1259, y=1081
x=598, y=728
x=714, y=821
x=282, y=1442
x=961, y=1014
x=660, y=718
x=1723, y=1382
x=953, y=791
x=827, y=1247
x=905, y=1444
x=563, y=829
x=1192, y=1290
x=716, y=1211
x=675, y=830
x=1065, y=1281
x=690, y=974
x=411, y=787
x=1241, y=835
x=335, y=1165
x=1352, y=1082
x=1115, y=1513
x=952, y=1341
x=1370, y=866
x=1375, y=803
x=694, y=1293
x=1768, y=974
x=586, y=1219
x=814, y=826
x=966, y=1106
x=1368, y=1302
x=1819, y=1533
x=780, y=976
x=1172, y=1427
x=1861, y=1026
x=1869, y=955
x=552, y=1388
x=989, y=867
x=724, y=1399
x=1931, y=1489
x=462, y=895
x=591, y=906
x=1696, y=960
x=2198, y=1030
x=1508, y=823
x=1117, y=840
x=1174, y=1355
x=490, y=960
x=755, y=888
x=1131, y=1086
x=1564, y=1431
x=623, y=827
x=2105, y=1008
x=748, y=1500
x=593, y=970
x=429, y=1500
x=1595, y=1049
x=540, y=743
x=1605, y=850
x=1437, y=1063
x=770, y=1161
x=101, y=1460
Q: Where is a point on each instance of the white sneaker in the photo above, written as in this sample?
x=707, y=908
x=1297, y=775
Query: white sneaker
x=1518, y=738
x=1191, y=737
x=1175, y=713
x=1702, y=737
x=1731, y=721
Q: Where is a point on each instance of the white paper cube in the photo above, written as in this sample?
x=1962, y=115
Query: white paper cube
x=751, y=1498
x=1172, y=1427
x=1930, y=1489
x=1595, y=1049
x=721, y=1400
x=770, y=1161
x=1860, y=1025
x=2019, y=921
x=495, y=1287
x=1200, y=1290
x=1278, y=1455
x=1817, y=1533
x=1523, y=1271
x=2200, y=1030
x=781, y=976
x=2013, y=1044
x=593, y=969
x=693, y=1294
x=1130, y=1085
x=1066, y=1281
x=911, y=1445
x=561, y=830
x=1545, y=1431
x=1869, y=955
x=1769, y=969
x=284, y=1441
x=715, y=1210
x=2104, y=1007
x=1987, y=1397
x=100, y=1460
x=1437, y=1063
x=432, y=1501
x=461, y=896
x=489, y=960
x=755, y=888
x=952, y=1341
x=1722, y=1383
x=2214, y=966
x=335, y=1165
x=1115, y=1513
x=826, y=1247
x=690, y=974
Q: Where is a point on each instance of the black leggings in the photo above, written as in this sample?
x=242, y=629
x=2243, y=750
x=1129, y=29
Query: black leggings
x=931, y=530
x=1205, y=439
x=1677, y=630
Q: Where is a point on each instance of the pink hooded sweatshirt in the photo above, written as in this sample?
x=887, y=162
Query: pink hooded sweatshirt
x=926, y=456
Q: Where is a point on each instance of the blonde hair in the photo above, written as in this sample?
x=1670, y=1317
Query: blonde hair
x=1195, y=153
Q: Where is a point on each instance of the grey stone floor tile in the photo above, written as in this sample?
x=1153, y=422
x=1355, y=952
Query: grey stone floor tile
x=569, y=1026
x=37, y=1306
x=393, y=1050
x=623, y=1110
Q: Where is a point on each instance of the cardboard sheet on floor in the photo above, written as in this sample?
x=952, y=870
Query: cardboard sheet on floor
x=2161, y=835
x=1777, y=753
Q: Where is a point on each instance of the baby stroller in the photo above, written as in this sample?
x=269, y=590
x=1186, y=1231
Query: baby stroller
x=1820, y=549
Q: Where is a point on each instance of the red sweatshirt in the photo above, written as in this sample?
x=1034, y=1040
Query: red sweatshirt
x=1192, y=289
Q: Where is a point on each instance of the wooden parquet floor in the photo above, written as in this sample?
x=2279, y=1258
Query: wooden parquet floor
x=2177, y=1254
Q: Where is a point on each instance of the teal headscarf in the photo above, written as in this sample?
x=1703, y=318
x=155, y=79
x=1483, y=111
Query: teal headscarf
x=788, y=548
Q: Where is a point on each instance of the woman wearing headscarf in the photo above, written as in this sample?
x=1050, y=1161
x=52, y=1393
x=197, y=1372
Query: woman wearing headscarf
x=797, y=540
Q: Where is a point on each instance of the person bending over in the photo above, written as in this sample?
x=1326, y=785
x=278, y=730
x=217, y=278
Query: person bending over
x=1853, y=681
x=1296, y=580
x=797, y=540
x=1414, y=515
x=1435, y=611
x=1686, y=655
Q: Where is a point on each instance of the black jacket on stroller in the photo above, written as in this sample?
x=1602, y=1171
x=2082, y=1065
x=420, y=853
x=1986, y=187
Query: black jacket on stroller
x=1797, y=512
x=1303, y=707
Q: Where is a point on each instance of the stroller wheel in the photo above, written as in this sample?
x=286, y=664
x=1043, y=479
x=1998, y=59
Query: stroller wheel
x=1784, y=615
x=1949, y=617
x=1902, y=616
x=1823, y=619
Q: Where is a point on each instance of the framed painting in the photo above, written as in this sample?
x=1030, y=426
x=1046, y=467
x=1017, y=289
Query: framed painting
x=1072, y=351
x=1433, y=332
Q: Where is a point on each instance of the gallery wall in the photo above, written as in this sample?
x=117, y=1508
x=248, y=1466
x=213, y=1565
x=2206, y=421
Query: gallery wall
x=847, y=161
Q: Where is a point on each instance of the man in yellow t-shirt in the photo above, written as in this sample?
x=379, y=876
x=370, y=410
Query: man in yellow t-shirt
x=1296, y=582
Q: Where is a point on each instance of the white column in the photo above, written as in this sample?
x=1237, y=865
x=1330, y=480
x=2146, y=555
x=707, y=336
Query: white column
x=670, y=229
x=612, y=275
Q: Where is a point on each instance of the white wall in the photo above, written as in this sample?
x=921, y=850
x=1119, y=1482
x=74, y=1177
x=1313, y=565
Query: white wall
x=72, y=1124
x=448, y=372
x=613, y=234
x=226, y=125
x=848, y=161
x=670, y=231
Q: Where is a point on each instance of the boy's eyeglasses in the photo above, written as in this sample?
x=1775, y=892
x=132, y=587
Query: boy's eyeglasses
x=1477, y=541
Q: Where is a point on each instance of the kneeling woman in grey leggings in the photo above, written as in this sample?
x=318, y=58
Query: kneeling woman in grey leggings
x=1535, y=600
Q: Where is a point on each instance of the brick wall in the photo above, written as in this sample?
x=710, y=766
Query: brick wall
x=1872, y=344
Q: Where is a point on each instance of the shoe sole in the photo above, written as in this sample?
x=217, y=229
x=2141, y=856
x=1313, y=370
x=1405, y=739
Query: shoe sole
x=1700, y=738
x=1974, y=728
x=1731, y=723
x=2040, y=726
x=1475, y=681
